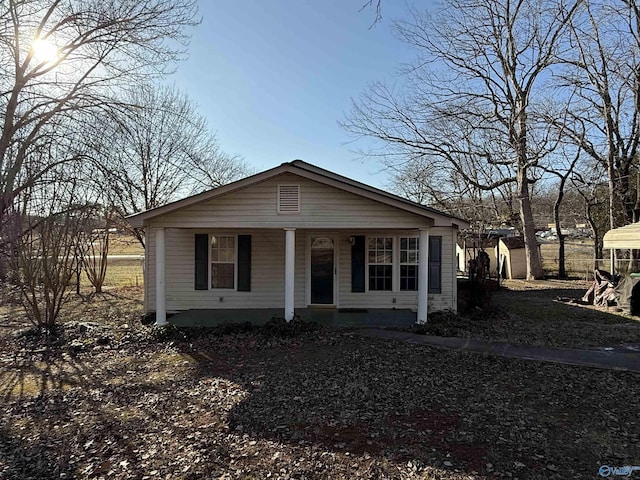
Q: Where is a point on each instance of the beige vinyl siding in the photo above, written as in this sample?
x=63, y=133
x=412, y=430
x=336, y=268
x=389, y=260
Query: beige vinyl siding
x=148, y=305
x=447, y=298
x=454, y=270
x=324, y=210
x=267, y=272
x=321, y=207
x=301, y=277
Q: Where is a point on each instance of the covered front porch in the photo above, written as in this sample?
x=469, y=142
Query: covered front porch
x=319, y=275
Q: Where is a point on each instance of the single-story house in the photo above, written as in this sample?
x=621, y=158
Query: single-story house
x=298, y=237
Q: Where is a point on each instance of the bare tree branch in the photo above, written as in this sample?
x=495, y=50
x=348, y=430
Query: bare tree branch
x=473, y=99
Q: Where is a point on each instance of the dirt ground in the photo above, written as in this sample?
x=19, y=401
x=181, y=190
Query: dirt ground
x=109, y=398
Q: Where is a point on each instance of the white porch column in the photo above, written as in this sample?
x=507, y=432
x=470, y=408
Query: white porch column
x=161, y=311
x=289, y=272
x=423, y=275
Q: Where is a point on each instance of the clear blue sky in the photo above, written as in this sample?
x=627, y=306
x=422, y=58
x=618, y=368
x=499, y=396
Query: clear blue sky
x=273, y=77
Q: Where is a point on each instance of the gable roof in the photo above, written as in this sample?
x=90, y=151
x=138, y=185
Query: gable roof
x=302, y=169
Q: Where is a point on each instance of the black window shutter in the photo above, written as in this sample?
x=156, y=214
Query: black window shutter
x=358, y=264
x=435, y=264
x=202, y=261
x=244, y=263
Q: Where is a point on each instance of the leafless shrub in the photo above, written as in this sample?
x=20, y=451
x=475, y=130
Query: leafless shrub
x=95, y=249
x=44, y=263
x=43, y=245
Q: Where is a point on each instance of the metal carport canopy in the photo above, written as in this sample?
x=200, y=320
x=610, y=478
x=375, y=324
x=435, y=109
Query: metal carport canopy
x=623, y=237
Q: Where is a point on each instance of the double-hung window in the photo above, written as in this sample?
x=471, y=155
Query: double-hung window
x=409, y=247
x=380, y=263
x=392, y=263
x=223, y=261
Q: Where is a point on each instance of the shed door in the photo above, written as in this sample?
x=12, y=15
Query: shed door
x=322, y=270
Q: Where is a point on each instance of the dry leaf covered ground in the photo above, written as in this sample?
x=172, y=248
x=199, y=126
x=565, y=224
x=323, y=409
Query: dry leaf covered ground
x=531, y=312
x=110, y=399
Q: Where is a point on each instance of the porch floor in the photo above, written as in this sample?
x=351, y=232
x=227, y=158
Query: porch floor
x=336, y=317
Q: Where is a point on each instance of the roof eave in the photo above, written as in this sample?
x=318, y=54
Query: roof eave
x=141, y=219
x=300, y=168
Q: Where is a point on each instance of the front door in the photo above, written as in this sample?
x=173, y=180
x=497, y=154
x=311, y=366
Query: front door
x=322, y=270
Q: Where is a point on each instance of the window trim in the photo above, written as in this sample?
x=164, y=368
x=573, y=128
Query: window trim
x=412, y=264
x=392, y=264
x=235, y=263
x=395, y=270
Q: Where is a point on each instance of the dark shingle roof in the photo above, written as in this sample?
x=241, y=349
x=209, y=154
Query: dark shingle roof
x=513, y=243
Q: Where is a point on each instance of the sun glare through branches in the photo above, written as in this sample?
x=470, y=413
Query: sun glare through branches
x=44, y=51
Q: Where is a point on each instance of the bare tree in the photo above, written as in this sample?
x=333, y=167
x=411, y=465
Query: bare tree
x=94, y=248
x=217, y=169
x=603, y=74
x=590, y=187
x=44, y=242
x=63, y=60
x=159, y=151
x=427, y=182
x=377, y=6
x=562, y=170
x=469, y=100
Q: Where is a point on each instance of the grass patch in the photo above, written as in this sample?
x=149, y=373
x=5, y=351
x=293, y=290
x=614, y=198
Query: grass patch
x=29, y=379
x=20, y=386
x=124, y=274
x=542, y=309
x=33, y=376
x=120, y=273
x=578, y=258
x=122, y=244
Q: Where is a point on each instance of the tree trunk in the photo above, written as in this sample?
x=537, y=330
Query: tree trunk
x=617, y=210
x=597, y=252
x=562, y=272
x=636, y=207
x=634, y=261
x=534, y=264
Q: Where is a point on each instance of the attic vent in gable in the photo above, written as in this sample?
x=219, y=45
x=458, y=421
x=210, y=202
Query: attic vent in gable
x=288, y=198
